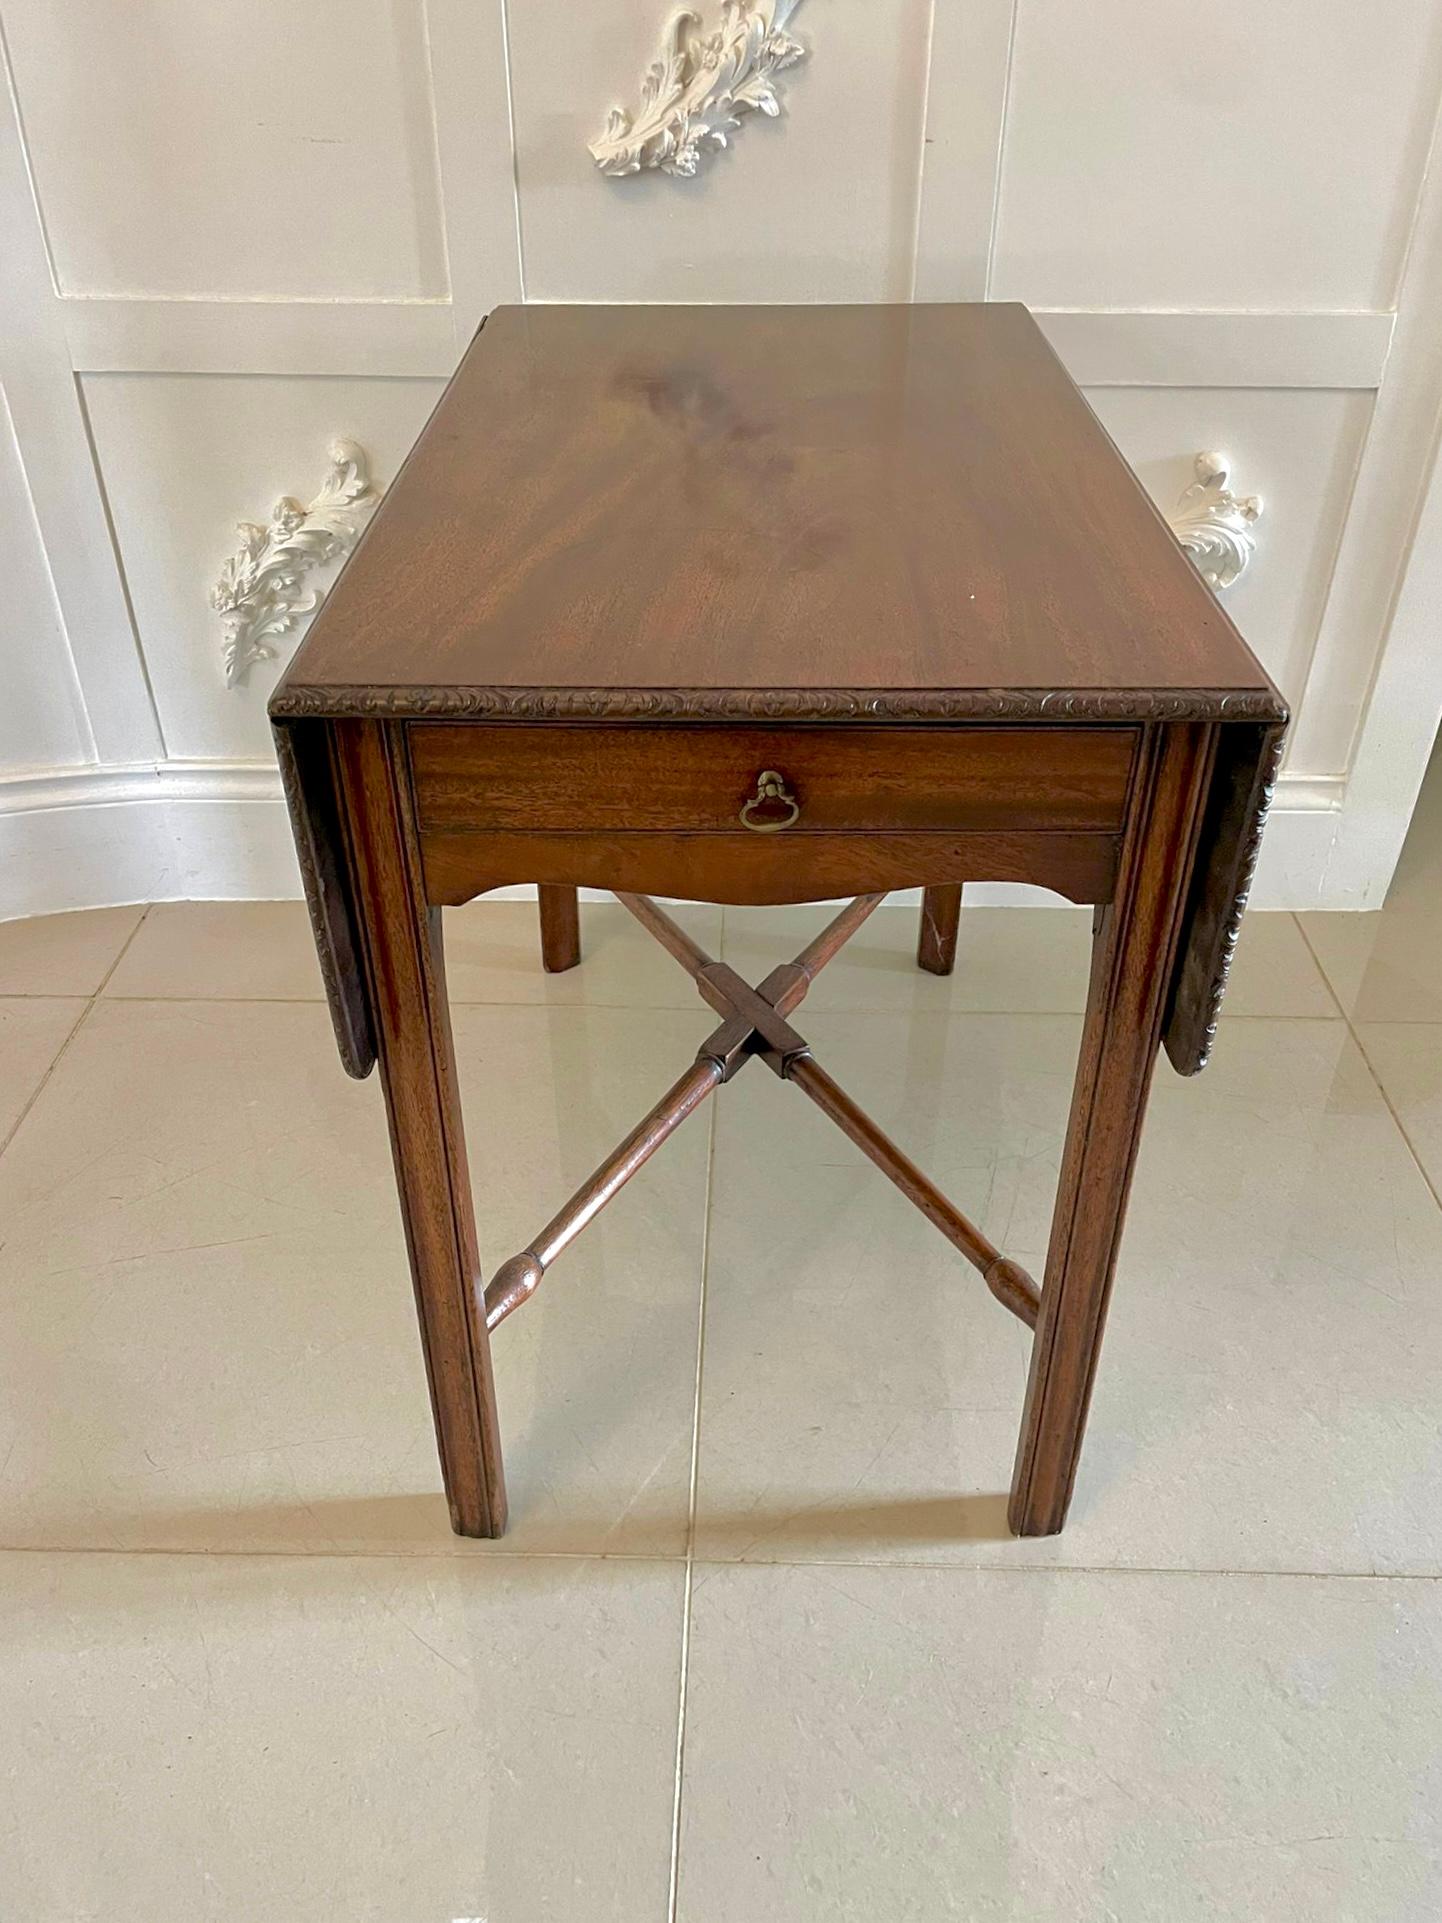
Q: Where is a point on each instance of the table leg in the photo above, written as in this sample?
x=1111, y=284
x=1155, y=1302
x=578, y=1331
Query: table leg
x=940, y=919
x=1134, y=939
x=418, y=1072
x=560, y=927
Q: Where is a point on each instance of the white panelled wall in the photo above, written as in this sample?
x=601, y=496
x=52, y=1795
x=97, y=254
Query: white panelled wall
x=233, y=234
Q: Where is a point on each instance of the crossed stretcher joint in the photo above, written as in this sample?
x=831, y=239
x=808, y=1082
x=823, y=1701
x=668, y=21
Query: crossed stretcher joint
x=754, y=1027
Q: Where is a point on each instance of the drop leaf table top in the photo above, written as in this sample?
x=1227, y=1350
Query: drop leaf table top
x=772, y=604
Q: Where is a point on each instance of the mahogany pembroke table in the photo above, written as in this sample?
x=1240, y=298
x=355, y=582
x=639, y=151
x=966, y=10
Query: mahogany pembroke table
x=770, y=604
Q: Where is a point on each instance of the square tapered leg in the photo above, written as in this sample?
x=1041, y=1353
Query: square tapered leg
x=1134, y=940
x=405, y=964
x=940, y=920
x=560, y=927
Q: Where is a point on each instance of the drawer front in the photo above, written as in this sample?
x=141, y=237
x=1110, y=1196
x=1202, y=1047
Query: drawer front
x=557, y=778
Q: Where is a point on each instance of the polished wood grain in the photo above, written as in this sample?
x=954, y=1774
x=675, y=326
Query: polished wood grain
x=571, y=778
x=775, y=515
x=864, y=499
x=639, y=558
x=304, y=752
x=518, y=1278
x=940, y=924
x=754, y=1027
x=717, y=1059
x=1006, y=1279
x=763, y=869
x=1133, y=947
x=560, y=928
x=406, y=974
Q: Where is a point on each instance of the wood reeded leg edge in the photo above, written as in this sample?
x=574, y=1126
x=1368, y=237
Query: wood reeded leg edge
x=940, y=920
x=413, y=1032
x=1133, y=943
x=560, y=927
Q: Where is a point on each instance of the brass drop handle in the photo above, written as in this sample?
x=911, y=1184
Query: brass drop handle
x=771, y=795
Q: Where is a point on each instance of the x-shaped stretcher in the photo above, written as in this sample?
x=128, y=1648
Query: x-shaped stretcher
x=754, y=1025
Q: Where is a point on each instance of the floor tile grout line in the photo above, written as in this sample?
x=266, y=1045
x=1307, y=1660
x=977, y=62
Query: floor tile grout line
x=319, y=1552
x=668, y=1008
x=674, y=1883
x=104, y=983
x=1397, y=1021
x=40, y=995
x=1333, y=996
x=1390, y=1106
x=75, y=1027
x=465, y=1559
x=955, y=1568
x=43, y=1083
x=690, y=1556
x=1371, y=1068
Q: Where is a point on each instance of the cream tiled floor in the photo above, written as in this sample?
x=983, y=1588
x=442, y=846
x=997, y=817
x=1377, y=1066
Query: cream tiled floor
x=757, y=1645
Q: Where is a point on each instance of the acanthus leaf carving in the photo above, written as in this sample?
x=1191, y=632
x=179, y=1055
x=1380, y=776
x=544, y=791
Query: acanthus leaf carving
x=700, y=88
x=259, y=594
x=1268, y=769
x=455, y=701
x=1215, y=525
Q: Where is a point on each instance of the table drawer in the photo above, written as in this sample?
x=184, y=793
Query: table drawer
x=595, y=779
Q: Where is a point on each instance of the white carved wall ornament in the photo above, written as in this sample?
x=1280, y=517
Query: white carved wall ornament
x=1214, y=525
x=259, y=595
x=701, y=87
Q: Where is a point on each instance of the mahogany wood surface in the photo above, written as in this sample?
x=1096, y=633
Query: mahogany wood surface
x=406, y=974
x=304, y=752
x=560, y=928
x=872, y=578
x=583, y=779
x=940, y=925
x=1133, y=944
x=518, y=1278
x=1006, y=1279
x=634, y=500
x=754, y=1026
x=763, y=869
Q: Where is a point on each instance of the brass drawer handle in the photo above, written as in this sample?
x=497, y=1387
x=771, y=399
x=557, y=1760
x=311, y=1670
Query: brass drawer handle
x=771, y=793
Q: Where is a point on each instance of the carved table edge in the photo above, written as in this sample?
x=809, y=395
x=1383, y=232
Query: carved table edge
x=1241, y=801
x=296, y=702
x=1215, y=920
